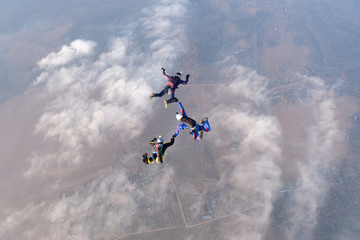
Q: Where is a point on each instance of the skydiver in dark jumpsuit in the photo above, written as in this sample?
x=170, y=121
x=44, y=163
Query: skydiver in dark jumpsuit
x=171, y=85
x=159, y=148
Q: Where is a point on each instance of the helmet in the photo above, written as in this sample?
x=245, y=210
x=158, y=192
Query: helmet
x=153, y=141
x=178, y=74
x=179, y=116
x=160, y=140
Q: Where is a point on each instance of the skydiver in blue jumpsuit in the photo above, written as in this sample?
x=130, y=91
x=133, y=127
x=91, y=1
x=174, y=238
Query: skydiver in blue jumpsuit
x=159, y=148
x=190, y=124
x=171, y=85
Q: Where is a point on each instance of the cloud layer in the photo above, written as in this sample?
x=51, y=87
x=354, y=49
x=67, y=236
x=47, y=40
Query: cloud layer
x=251, y=138
x=93, y=101
x=250, y=156
x=77, y=49
x=90, y=99
x=319, y=154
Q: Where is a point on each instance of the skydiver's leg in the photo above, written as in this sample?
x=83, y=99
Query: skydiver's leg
x=205, y=125
x=195, y=135
x=201, y=133
x=160, y=94
x=159, y=159
x=198, y=135
x=172, y=98
x=170, y=92
x=146, y=159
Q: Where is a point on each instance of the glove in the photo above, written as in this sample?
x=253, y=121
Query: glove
x=187, y=76
x=163, y=69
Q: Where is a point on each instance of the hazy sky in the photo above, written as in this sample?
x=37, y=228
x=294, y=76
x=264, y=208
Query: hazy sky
x=71, y=141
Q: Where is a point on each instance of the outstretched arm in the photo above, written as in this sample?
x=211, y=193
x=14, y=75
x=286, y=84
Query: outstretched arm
x=164, y=74
x=184, y=82
x=172, y=141
x=178, y=129
x=182, y=109
x=168, y=144
x=187, y=80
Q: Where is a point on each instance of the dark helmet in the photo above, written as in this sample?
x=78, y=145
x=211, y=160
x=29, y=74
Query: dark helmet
x=153, y=141
x=178, y=74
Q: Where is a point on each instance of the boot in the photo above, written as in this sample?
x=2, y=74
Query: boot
x=145, y=158
x=203, y=120
x=201, y=135
x=151, y=96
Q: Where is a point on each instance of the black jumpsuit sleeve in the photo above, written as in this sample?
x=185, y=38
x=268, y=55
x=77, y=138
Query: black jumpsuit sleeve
x=166, y=145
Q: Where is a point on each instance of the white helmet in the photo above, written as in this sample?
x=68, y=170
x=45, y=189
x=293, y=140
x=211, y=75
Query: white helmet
x=179, y=116
x=160, y=140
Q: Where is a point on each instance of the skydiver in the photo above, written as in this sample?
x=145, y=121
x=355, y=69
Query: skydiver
x=171, y=85
x=159, y=148
x=190, y=124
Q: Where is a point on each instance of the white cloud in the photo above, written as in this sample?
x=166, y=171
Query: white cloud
x=94, y=209
x=21, y=222
x=250, y=138
x=92, y=97
x=100, y=207
x=165, y=21
x=77, y=49
x=105, y=207
x=320, y=152
x=250, y=144
x=89, y=99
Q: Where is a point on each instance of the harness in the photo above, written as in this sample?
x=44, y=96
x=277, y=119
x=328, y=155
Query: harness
x=157, y=156
x=191, y=123
x=172, y=82
x=157, y=148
